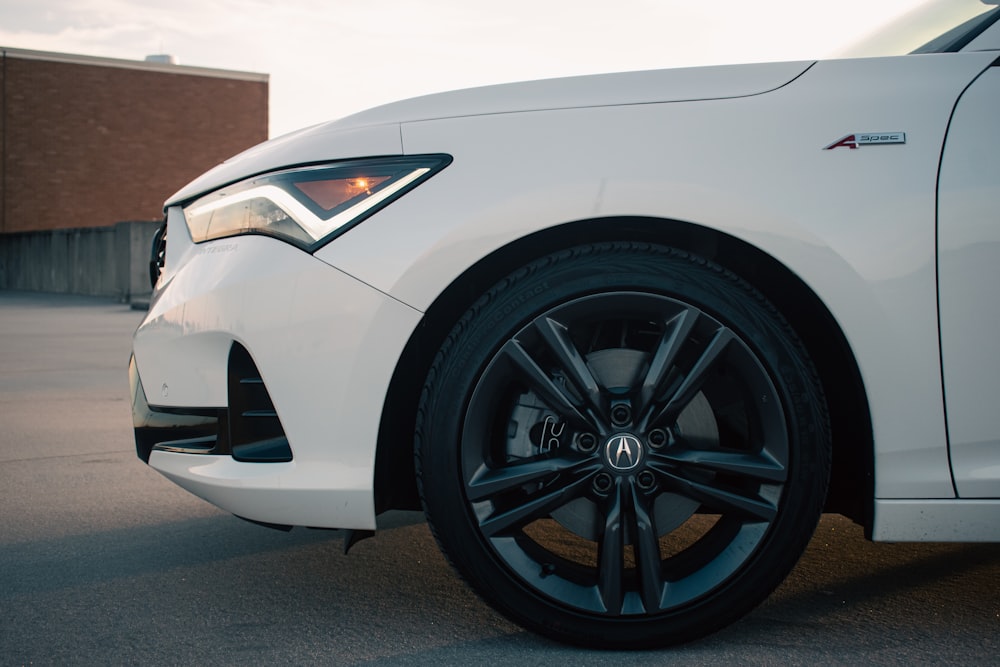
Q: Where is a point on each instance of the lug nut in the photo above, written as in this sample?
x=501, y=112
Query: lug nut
x=657, y=438
x=603, y=482
x=646, y=480
x=621, y=415
x=587, y=442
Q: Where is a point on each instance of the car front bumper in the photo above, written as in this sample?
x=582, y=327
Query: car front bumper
x=324, y=346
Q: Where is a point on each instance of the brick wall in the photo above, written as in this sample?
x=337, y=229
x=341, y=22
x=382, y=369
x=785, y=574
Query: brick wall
x=89, y=142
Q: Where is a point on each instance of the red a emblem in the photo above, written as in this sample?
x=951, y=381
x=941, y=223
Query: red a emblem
x=850, y=141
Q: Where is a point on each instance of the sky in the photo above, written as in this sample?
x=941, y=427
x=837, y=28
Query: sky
x=330, y=58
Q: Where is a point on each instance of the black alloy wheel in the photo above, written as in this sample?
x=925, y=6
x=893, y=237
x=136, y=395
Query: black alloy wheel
x=622, y=445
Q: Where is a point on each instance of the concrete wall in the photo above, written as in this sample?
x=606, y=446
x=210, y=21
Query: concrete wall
x=97, y=261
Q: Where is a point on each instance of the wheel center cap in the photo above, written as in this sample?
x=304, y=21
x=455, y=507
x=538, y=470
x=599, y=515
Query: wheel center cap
x=623, y=452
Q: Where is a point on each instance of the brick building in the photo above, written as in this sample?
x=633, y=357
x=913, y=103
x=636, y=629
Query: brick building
x=87, y=143
x=94, y=141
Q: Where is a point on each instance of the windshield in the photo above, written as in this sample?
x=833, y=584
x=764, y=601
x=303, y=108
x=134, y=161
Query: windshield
x=934, y=27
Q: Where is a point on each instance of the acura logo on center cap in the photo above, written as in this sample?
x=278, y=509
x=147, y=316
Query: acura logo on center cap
x=623, y=451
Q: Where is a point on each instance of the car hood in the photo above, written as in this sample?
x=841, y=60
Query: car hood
x=375, y=131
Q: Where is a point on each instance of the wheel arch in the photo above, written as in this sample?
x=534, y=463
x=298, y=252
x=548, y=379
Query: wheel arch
x=852, y=476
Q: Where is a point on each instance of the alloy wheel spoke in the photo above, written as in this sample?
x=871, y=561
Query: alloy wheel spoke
x=695, y=379
x=571, y=362
x=751, y=507
x=488, y=482
x=647, y=554
x=556, y=397
x=674, y=336
x=536, y=506
x=759, y=467
x=610, y=558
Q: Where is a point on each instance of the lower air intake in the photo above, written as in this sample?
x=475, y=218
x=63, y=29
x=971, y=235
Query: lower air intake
x=255, y=431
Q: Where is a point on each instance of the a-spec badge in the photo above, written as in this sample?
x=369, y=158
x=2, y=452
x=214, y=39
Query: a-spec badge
x=853, y=141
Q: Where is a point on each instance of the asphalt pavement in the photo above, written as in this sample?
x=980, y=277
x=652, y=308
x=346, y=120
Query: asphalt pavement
x=104, y=562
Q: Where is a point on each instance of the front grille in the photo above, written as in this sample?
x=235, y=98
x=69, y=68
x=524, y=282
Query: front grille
x=158, y=254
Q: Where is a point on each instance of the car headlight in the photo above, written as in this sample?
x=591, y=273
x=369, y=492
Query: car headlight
x=308, y=206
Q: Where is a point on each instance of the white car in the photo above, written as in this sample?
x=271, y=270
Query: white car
x=622, y=337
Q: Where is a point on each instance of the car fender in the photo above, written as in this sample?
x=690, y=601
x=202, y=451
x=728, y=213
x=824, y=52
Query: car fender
x=856, y=225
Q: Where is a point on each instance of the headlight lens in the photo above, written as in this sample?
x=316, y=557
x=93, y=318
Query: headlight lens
x=308, y=206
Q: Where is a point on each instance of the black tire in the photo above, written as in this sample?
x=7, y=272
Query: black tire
x=622, y=445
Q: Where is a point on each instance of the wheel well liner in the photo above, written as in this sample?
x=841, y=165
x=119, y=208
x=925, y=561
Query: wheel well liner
x=852, y=478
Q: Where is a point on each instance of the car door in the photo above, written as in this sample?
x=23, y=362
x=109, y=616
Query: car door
x=969, y=286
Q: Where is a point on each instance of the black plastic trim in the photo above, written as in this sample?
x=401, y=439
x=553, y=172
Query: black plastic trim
x=256, y=433
x=274, y=526
x=248, y=429
x=190, y=430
